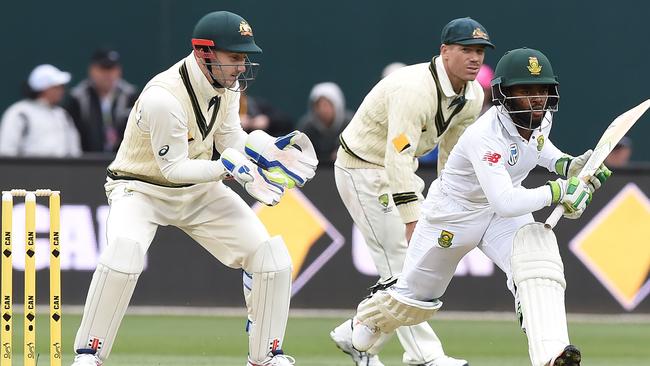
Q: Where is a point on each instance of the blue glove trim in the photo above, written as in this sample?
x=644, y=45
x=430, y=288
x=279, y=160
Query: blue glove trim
x=259, y=170
x=262, y=162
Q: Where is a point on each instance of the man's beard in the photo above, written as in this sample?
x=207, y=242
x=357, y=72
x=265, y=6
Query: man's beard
x=525, y=120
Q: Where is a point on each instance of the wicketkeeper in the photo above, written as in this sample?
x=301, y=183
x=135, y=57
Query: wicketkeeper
x=478, y=201
x=163, y=175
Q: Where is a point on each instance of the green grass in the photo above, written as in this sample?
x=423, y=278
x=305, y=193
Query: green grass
x=198, y=341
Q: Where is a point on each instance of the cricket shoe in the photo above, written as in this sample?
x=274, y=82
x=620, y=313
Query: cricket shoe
x=570, y=356
x=86, y=357
x=363, y=336
x=279, y=359
x=445, y=361
x=342, y=337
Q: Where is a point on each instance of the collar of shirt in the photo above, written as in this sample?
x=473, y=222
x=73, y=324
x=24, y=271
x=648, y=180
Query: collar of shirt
x=202, y=87
x=445, y=83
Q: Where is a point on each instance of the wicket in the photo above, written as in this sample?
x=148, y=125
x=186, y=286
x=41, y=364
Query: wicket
x=29, y=320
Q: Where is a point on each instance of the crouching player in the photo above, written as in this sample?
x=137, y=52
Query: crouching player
x=478, y=201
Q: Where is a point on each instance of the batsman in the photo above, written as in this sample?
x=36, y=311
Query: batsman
x=478, y=201
x=163, y=175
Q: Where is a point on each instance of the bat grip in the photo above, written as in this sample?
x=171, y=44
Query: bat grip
x=555, y=216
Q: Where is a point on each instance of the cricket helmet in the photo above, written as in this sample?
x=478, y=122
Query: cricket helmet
x=524, y=66
x=229, y=32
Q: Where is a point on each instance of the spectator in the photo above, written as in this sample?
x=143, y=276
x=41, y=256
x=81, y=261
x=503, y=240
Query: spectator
x=100, y=104
x=484, y=77
x=37, y=125
x=325, y=120
x=258, y=114
x=620, y=155
x=391, y=67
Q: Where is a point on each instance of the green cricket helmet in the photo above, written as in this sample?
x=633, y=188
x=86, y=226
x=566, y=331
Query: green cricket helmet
x=228, y=32
x=524, y=66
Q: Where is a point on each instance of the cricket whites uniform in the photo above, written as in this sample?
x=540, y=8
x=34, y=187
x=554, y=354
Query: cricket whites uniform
x=163, y=175
x=403, y=117
x=478, y=201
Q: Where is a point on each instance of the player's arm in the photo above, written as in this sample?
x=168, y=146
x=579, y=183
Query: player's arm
x=404, y=129
x=506, y=200
x=163, y=117
x=450, y=138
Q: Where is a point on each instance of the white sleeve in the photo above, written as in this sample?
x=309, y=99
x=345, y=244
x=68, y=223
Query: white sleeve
x=507, y=201
x=164, y=118
x=549, y=156
x=11, y=130
x=230, y=133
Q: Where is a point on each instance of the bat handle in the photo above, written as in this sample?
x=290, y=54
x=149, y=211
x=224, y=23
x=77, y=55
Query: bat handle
x=555, y=216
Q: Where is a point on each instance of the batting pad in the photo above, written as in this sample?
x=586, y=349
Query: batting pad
x=538, y=275
x=388, y=310
x=269, y=299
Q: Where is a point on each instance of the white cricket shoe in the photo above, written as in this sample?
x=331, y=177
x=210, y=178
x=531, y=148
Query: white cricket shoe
x=277, y=360
x=86, y=360
x=342, y=336
x=363, y=336
x=446, y=361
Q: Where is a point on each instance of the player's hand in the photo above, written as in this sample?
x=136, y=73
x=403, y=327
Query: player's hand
x=576, y=164
x=571, y=193
x=292, y=155
x=266, y=187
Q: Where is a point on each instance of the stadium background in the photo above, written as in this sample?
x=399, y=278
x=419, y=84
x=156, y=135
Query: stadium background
x=597, y=48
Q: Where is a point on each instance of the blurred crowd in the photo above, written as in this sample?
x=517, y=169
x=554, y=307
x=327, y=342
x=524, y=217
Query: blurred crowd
x=57, y=120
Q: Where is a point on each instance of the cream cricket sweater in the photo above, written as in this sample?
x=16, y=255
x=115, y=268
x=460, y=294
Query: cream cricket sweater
x=170, y=132
x=400, y=120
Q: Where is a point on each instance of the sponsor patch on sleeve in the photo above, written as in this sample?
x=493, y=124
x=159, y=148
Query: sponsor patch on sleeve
x=492, y=157
x=401, y=143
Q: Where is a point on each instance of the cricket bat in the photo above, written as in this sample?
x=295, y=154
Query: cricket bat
x=612, y=135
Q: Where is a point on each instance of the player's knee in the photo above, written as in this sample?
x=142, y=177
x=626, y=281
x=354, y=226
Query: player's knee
x=535, y=255
x=124, y=255
x=271, y=256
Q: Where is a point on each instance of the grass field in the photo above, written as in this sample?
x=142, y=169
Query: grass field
x=221, y=341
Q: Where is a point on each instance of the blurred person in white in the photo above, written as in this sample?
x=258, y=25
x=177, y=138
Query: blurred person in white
x=620, y=155
x=394, y=66
x=37, y=126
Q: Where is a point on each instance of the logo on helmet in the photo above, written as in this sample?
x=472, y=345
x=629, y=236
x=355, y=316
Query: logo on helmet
x=245, y=29
x=540, y=142
x=533, y=66
x=478, y=33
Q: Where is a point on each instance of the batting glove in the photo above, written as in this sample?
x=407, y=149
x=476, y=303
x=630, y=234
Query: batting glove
x=572, y=193
x=569, y=166
x=266, y=187
x=292, y=155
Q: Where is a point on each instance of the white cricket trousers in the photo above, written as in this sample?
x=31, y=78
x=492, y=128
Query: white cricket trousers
x=210, y=213
x=431, y=261
x=384, y=233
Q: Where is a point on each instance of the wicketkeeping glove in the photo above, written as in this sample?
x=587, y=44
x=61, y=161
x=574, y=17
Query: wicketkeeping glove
x=569, y=166
x=266, y=187
x=292, y=155
x=572, y=193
